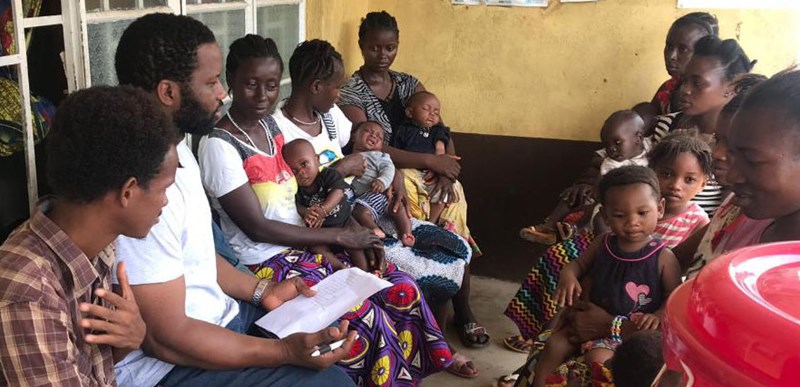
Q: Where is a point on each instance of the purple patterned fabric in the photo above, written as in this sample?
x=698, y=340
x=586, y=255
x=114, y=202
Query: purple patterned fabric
x=399, y=341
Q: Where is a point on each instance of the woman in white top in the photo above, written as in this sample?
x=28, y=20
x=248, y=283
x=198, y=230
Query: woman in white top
x=253, y=191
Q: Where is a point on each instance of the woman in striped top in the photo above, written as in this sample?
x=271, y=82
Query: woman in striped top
x=707, y=87
x=376, y=93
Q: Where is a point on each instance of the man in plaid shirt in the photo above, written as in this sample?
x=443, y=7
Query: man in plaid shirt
x=111, y=157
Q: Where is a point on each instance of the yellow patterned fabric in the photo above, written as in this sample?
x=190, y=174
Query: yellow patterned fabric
x=11, y=134
x=454, y=216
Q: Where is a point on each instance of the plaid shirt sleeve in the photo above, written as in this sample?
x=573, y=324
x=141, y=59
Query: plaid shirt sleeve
x=36, y=344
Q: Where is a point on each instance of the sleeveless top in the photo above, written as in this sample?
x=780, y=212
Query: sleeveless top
x=626, y=283
x=226, y=163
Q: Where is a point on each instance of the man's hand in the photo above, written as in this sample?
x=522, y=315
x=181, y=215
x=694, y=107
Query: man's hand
x=121, y=327
x=277, y=293
x=297, y=348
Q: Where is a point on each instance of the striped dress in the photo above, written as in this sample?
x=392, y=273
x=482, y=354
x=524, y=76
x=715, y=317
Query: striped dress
x=675, y=229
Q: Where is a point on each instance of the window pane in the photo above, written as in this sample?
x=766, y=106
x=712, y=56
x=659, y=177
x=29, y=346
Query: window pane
x=117, y=5
x=227, y=26
x=195, y=2
x=103, y=39
x=282, y=24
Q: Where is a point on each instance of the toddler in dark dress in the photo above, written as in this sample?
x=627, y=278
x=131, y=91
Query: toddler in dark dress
x=627, y=272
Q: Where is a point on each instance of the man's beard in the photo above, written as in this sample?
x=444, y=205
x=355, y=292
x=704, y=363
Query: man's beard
x=191, y=118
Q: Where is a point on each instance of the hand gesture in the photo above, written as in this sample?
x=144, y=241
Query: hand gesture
x=377, y=186
x=315, y=216
x=444, y=187
x=568, y=289
x=647, y=321
x=120, y=327
x=297, y=348
x=352, y=165
x=376, y=261
x=277, y=293
x=358, y=237
x=397, y=194
x=446, y=165
x=577, y=194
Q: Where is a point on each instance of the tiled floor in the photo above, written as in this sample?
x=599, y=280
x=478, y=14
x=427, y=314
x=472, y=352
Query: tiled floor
x=489, y=299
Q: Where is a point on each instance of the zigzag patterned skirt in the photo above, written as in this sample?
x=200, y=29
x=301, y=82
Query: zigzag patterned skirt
x=533, y=306
x=399, y=341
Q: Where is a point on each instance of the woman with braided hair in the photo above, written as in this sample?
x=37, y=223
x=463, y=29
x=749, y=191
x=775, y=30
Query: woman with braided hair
x=253, y=189
x=377, y=93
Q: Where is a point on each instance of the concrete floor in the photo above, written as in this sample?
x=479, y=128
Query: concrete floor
x=489, y=299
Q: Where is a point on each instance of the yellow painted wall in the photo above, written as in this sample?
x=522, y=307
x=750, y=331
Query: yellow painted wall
x=550, y=73
x=337, y=21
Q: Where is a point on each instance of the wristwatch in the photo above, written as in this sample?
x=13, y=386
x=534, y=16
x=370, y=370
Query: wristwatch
x=258, y=294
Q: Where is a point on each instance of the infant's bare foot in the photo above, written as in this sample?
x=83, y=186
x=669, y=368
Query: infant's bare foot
x=408, y=239
x=379, y=233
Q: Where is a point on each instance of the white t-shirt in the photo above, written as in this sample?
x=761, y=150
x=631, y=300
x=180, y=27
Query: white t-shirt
x=640, y=159
x=223, y=159
x=181, y=244
x=329, y=150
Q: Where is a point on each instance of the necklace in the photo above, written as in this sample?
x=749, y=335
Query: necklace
x=425, y=132
x=316, y=118
x=270, y=142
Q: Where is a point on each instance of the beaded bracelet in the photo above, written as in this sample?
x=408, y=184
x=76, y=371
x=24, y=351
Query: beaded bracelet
x=616, y=328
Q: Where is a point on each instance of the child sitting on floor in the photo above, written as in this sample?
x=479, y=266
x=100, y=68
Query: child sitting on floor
x=623, y=144
x=627, y=272
x=371, y=187
x=322, y=199
x=423, y=132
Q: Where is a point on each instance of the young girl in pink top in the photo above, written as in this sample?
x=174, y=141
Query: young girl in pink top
x=682, y=163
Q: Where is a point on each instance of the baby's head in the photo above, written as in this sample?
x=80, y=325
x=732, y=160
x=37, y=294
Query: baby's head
x=682, y=163
x=631, y=202
x=303, y=161
x=638, y=359
x=423, y=109
x=622, y=135
x=367, y=136
x=647, y=112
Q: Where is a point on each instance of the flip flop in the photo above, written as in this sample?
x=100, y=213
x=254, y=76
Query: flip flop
x=518, y=344
x=473, y=335
x=459, y=363
x=531, y=234
x=507, y=380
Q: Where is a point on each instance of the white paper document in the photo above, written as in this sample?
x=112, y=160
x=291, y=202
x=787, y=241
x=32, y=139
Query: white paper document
x=336, y=294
